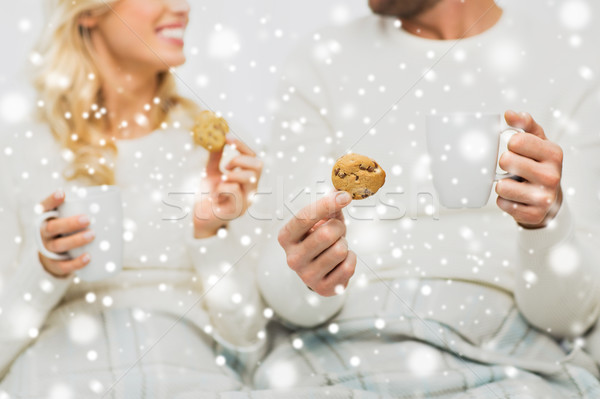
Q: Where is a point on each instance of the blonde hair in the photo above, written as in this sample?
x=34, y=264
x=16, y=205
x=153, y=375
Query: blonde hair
x=69, y=85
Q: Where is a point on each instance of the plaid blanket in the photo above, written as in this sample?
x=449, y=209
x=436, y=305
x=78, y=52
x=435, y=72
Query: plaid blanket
x=423, y=339
x=402, y=338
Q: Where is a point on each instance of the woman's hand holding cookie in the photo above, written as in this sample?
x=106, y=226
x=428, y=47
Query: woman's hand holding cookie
x=226, y=196
x=315, y=244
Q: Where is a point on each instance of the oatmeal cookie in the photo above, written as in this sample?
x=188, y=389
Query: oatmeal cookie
x=210, y=130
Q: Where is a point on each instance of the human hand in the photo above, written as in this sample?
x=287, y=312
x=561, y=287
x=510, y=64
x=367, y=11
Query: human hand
x=62, y=235
x=226, y=196
x=535, y=201
x=315, y=244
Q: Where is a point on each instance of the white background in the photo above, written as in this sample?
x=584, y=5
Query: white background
x=239, y=83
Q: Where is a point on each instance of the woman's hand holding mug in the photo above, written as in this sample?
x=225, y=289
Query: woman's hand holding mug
x=62, y=235
x=82, y=234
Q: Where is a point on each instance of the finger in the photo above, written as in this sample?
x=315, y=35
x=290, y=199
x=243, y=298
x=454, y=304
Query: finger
x=228, y=189
x=322, y=238
x=308, y=216
x=240, y=176
x=242, y=147
x=541, y=174
x=524, y=121
x=212, y=166
x=519, y=165
x=55, y=227
x=523, y=214
x=316, y=226
x=65, y=267
x=524, y=193
x=245, y=162
x=65, y=244
x=53, y=201
x=339, y=215
x=533, y=147
x=228, y=196
x=312, y=269
x=331, y=257
x=338, y=277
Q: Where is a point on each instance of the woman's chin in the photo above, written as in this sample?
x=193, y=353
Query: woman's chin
x=173, y=61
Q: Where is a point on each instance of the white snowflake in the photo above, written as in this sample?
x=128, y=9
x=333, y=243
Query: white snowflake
x=83, y=329
x=423, y=360
x=575, y=14
x=61, y=391
x=564, y=259
x=223, y=42
x=14, y=107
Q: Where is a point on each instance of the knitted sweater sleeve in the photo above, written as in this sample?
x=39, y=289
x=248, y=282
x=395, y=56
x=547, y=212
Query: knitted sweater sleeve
x=27, y=292
x=558, y=279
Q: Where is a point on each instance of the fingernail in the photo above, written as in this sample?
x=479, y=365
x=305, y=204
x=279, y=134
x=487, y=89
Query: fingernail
x=59, y=194
x=84, y=220
x=343, y=198
x=89, y=235
x=86, y=258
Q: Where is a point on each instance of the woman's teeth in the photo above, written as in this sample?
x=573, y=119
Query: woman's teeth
x=172, y=33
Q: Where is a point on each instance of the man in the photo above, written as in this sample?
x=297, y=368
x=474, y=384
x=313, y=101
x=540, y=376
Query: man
x=421, y=300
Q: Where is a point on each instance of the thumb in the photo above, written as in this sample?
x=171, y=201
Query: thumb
x=342, y=199
x=524, y=121
x=53, y=201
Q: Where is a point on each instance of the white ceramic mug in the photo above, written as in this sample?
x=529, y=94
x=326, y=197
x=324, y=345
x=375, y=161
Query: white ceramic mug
x=463, y=150
x=103, y=206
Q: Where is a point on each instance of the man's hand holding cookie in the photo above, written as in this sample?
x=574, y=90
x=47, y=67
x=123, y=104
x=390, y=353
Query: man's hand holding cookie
x=316, y=247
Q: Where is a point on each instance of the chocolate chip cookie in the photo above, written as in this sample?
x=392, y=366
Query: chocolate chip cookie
x=210, y=130
x=358, y=175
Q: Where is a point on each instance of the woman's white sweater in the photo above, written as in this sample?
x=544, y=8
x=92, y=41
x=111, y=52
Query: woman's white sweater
x=208, y=282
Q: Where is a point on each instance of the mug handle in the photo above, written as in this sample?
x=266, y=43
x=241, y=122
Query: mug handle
x=506, y=175
x=38, y=237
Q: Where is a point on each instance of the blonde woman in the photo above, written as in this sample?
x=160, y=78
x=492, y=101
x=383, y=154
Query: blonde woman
x=109, y=114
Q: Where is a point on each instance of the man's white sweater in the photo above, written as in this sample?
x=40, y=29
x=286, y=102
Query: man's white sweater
x=367, y=87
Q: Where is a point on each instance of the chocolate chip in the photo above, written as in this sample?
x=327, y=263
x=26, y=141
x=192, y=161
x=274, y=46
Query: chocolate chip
x=370, y=168
x=341, y=175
